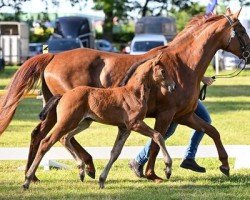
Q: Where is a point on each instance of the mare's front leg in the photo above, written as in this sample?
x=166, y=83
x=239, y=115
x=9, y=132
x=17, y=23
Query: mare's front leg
x=121, y=138
x=193, y=121
x=144, y=129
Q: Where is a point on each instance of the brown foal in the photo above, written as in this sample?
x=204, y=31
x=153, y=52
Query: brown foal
x=125, y=107
x=186, y=58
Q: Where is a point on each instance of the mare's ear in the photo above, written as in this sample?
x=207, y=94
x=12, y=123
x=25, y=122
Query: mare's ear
x=157, y=58
x=236, y=15
x=228, y=12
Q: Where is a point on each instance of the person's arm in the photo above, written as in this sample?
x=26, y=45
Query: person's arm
x=207, y=80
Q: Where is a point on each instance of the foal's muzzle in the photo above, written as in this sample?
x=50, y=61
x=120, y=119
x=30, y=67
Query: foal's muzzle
x=170, y=86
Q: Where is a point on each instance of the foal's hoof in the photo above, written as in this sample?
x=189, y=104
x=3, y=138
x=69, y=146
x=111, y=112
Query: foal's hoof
x=154, y=177
x=101, y=183
x=168, y=175
x=26, y=186
x=90, y=174
x=35, y=179
x=82, y=176
x=225, y=170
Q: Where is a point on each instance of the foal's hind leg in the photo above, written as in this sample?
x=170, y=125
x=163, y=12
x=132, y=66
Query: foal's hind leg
x=37, y=135
x=121, y=138
x=144, y=129
x=79, y=155
x=44, y=146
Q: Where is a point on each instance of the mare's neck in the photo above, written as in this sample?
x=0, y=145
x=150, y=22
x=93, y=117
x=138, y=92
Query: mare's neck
x=201, y=46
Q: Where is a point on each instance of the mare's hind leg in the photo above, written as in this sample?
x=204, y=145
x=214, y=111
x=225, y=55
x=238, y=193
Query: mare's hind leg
x=193, y=121
x=78, y=152
x=121, y=138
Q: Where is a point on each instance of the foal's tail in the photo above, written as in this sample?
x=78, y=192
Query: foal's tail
x=22, y=82
x=51, y=104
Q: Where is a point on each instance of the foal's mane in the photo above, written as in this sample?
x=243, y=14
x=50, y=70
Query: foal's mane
x=131, y=71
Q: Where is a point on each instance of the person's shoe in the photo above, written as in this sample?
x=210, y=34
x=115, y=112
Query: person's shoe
x=192, y=165
x=136, y=168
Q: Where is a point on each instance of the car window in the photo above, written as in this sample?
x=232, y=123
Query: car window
x=146, y=45
x=59, y=45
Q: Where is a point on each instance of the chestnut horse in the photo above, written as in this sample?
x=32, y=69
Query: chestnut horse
x=187, y=58
x=78, y=107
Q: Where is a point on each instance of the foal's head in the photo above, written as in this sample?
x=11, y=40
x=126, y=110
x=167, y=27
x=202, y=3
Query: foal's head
x=161, y=75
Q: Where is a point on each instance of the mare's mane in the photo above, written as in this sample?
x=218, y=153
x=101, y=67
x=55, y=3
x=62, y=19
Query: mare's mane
x=198, y=21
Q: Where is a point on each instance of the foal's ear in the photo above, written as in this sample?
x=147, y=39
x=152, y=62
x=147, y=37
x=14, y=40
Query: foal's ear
x=228, y=11
x=157, y=58
x=236, y=15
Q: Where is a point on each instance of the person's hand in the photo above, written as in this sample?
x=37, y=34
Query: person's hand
x=207, y=80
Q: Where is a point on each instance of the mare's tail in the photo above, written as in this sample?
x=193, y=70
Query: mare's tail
x=22, y=82
x=51, y=104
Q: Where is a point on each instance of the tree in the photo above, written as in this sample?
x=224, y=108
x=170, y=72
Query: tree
x=112, y=9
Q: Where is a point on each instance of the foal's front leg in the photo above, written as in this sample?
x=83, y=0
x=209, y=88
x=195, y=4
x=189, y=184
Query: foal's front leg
x=193, y=121
x=121, y=138
x=144, y=129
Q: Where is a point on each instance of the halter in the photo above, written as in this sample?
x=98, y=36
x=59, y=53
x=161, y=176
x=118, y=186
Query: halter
x=245, y=54
x=244, y=47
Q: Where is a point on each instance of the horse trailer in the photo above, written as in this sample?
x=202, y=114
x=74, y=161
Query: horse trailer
x=14, y=42
x=157, y=25
x=75, y=27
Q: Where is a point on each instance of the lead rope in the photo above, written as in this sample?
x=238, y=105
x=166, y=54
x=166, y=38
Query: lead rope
x=203, y=91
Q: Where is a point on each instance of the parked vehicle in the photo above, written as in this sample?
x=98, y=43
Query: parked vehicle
x=157, y=25
x=142, y=43
x=229, y=61
x=75, y=27
x=104, y=45
x=35, y=49
x=63, y=44
x=2, y=62
x=14, y=42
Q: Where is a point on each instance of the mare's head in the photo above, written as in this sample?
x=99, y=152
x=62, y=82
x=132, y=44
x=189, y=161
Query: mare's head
x=236, y=39
x=161, y=75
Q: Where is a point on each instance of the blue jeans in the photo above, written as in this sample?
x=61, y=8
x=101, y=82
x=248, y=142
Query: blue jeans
x=195, y=139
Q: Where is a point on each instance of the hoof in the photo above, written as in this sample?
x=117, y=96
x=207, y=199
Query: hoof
x=90, y=170
x=154, y=177
x=25, y=186
x=82, y=176
x=101, y=183
x=90, y=174
x=168, y=175
x=225, y=170
x=35, y=180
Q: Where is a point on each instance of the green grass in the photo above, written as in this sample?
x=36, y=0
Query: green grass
x=228, y=101
x=122, y=184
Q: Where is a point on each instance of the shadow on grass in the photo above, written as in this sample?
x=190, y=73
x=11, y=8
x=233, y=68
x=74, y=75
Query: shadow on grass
x=215, y=187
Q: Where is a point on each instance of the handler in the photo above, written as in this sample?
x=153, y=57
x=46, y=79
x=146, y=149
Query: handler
x=188, y=162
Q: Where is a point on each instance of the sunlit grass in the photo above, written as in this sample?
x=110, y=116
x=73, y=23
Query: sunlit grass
x=228, y=101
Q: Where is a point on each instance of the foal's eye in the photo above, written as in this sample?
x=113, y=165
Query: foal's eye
x=163, y=71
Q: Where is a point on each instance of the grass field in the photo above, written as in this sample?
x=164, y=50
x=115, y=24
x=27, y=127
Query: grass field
x=228, y=101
